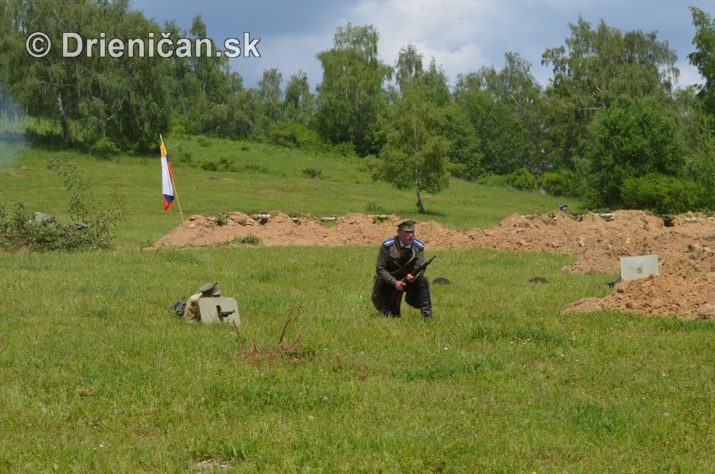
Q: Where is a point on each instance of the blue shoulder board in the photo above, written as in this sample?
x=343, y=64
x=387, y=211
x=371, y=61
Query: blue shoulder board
x=389, y=242
x=419, y=244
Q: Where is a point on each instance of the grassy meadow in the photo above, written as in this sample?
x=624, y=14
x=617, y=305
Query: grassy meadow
x=97, y=376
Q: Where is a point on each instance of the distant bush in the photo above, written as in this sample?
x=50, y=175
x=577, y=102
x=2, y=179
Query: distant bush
x=249, y=239
x=563, y=183
x=662, y=194
x=220, y=219
x=313, y=173
x=459, y=170
x=95, y=229
x=345, y=149
x=254, y=168
x=629, y=140
x=295, y=135
x=209, y=166
x=491, y=179
x=375, y=208
x=104, y=147
x=522, y=179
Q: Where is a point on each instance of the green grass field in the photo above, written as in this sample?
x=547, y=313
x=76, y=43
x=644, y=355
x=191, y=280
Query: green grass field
x=97, y=376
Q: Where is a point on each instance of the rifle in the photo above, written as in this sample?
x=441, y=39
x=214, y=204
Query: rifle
x=223, y=314
x=415, y=270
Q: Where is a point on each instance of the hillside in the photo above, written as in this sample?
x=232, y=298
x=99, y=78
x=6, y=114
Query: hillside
x=259, y=178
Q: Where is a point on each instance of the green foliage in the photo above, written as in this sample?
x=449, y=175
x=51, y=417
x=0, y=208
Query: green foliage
x=90, y=98
x=248, y=239
x=104, y=147
x=662, y=194
x=563, y=183
x=299, y=103
x=464, y=155
x=313, y=173
x=415, y=156
x=209, y=166
x=295, y=135
x=704, y=56
x=501, y=137
x=269, y=91
x=239, y=117
x=95, y=230
x=522, y=179
x=594, y=68
x=516, y=89
x=18, y=231
x=631, y=139
x=350, y=97
x=491, y=179
x=220, y=219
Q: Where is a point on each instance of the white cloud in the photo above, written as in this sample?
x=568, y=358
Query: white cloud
x=454, y=32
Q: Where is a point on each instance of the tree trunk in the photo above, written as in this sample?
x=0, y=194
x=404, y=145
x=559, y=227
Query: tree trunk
x=420, y=207
x=63, y=120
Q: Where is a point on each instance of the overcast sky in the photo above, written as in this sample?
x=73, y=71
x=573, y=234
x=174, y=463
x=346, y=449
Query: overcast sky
x=462, y=35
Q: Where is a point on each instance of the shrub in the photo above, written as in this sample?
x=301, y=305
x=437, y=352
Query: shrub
x=662, y=194
x=459, y=170
x=249, y=239
x=220, y=219
x=295, y=135
x=313, y=173
x=209, y=166
x=374, y=208
x=104, y=147
x=96, y=229
x=631, y=139
x=522, y=179
x=345, y=149
x=254, y=168
x=491, y=179
x=563, y=183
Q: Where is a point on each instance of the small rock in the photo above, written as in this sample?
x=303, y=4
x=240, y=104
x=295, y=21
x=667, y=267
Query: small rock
x=538, y=280
x=441, y=281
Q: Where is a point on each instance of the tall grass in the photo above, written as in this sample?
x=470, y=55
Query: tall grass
x=98, y=376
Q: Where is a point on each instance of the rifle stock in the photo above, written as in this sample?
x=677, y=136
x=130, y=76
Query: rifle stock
x=415, y=270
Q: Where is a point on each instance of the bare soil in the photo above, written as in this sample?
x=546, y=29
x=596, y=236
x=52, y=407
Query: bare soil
x=685, y=286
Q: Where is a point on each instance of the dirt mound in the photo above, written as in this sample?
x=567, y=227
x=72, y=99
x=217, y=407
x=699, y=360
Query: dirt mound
x=281, y=229
x=686, y=285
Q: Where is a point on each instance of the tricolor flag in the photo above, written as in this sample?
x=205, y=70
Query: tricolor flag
x=167, y=178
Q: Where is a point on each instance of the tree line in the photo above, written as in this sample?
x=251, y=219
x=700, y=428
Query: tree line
x=611, y=126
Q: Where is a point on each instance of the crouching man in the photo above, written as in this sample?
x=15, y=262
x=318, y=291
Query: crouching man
x=396, y=273
x=192, y=311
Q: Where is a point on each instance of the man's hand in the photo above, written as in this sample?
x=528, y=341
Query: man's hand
x=410, y=278
x=400, y=285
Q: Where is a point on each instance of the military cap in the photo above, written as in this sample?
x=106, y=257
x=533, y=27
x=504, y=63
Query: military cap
x=212, y=288
x=407, y=224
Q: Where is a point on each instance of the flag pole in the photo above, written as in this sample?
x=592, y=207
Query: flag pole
x=176, y=193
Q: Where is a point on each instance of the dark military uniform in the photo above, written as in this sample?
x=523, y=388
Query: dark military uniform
x=391, y=258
